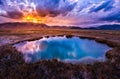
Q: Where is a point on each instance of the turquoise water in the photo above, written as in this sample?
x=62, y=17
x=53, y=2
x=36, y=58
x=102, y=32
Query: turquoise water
x=62, y=48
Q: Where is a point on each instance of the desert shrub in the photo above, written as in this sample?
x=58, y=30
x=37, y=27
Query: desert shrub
x=12, y=66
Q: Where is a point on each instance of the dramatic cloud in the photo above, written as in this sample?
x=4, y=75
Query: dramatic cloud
x=1, y=2
x=43, y=7
x=54, y=7
x=73, y=12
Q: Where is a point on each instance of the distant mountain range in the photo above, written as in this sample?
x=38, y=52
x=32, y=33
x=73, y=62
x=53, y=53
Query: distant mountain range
x=34, y=26
x=22, y=26
x=106, y=27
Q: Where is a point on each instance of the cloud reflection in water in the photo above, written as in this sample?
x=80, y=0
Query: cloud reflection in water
x=65, y=49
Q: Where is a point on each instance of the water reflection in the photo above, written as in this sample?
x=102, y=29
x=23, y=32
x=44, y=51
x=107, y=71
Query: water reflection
x=65, y=49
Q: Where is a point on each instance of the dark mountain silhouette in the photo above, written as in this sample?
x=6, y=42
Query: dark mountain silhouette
x=102, y=27
x=22, y=25
x=106, y=27
x=35, y=26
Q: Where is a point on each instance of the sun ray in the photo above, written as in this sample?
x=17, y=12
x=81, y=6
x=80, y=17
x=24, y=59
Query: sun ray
x=32, y=17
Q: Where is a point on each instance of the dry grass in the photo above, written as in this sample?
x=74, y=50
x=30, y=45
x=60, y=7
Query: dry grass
x=100, y=35
x=12, y=65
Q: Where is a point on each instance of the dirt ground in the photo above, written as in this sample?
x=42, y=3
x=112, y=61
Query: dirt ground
x=12, y=65
x=14, y=36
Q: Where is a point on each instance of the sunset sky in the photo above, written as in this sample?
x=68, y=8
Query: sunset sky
x=61, y=12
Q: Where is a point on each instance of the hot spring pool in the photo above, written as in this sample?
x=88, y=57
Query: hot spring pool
x=65, y=49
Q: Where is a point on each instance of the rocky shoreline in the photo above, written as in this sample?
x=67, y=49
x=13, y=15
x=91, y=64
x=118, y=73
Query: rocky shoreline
x=13, y=66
